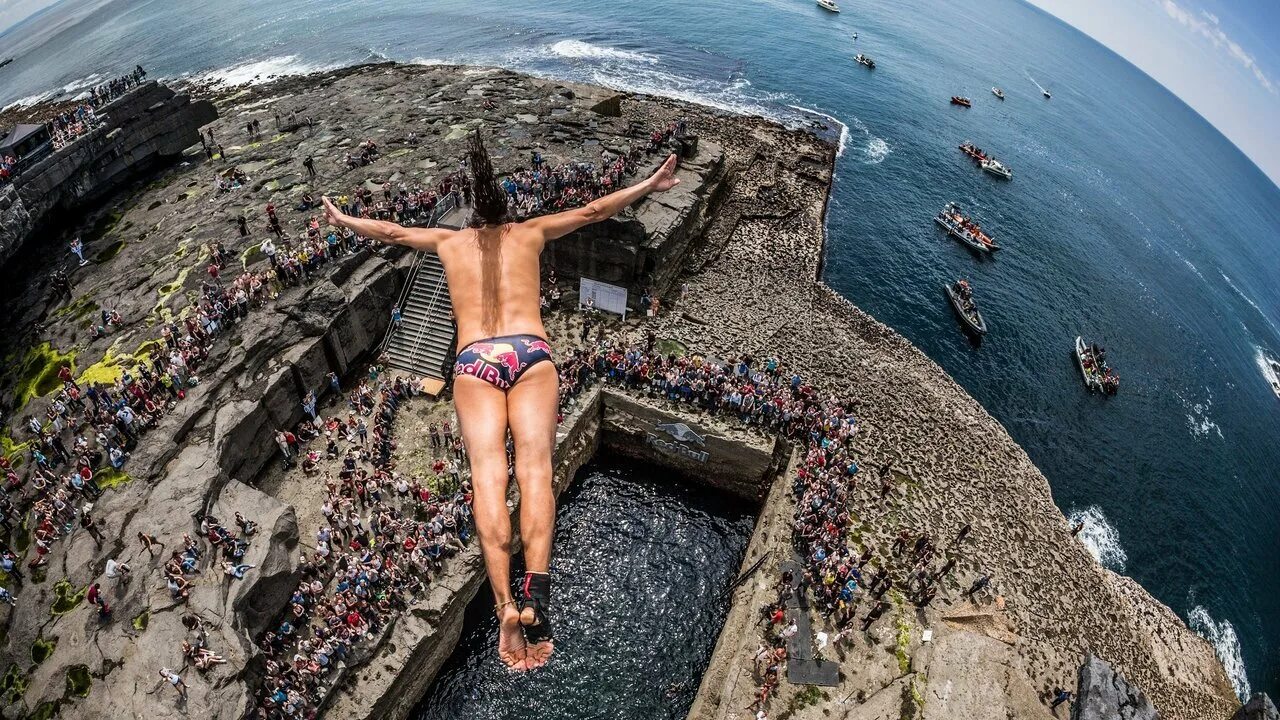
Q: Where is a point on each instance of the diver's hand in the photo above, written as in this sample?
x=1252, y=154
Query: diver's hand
x=665, y=177
x=332, y=215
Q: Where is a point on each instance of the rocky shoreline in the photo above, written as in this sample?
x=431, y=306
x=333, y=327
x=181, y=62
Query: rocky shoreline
x=750, y=235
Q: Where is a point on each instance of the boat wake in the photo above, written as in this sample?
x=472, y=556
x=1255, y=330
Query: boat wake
x=1263, y=361
x=1225, y=644
x=1100, y=538
x=1247, y=299
x=1033, y=80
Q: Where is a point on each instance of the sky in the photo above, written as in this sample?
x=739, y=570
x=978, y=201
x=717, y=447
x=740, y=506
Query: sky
x=11, y=11
x=1222, y=57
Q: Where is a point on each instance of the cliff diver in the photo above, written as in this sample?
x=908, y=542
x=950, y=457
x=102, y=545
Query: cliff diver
x=505, y=379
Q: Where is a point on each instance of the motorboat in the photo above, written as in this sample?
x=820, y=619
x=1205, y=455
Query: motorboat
x=997, y=92
x=1275, y=376
x=829, y=5
x=864, y=60
x=1098, y=377
x=960, y=296
x=997, y=168
x=963, y=228
x=973, y=151
x=962, y=101
x=1045, y=93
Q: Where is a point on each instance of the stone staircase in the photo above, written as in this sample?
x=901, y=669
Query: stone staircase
x=422, y=343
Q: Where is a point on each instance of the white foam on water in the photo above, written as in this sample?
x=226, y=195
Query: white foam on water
x=1100, y=538
x=76, y=89
x=843, y=142
x=579, y=50
x=1247, y=299
x=1263, y=360
x=1222, y=635
x=254, y=72
x=1199, y=423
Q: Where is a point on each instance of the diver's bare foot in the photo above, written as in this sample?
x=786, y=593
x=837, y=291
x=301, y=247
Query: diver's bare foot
x=537, y=653
x=512, y=650
x=540, y=653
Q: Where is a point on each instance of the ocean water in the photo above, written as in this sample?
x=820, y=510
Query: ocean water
x=1129, y=220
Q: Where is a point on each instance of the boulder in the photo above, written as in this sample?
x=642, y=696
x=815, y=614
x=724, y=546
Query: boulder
x=1259, y=707
x=1104, y=694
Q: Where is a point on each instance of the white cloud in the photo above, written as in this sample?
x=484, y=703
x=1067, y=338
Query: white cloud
x=1213, y=33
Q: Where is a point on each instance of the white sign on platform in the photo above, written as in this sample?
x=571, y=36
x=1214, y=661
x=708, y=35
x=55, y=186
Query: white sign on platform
x=603, y=296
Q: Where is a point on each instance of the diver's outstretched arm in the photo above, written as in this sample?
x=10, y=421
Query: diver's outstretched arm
x=386, y=232
x=561, y=224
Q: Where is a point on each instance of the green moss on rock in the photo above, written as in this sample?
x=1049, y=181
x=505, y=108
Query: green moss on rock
x=142, y=619
x=78, y=681
x=41, y=649
x=13, y=684
x=66, y=597
x=38, y=374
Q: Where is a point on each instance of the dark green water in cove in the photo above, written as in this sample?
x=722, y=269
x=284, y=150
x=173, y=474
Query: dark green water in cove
x=640, y=561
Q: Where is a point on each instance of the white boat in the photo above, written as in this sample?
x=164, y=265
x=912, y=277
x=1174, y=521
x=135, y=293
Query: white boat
x=829, y=5
x=997, y=92
x=1090, y=374
x=997, y=168
x=1046, y=94
x=961, y=227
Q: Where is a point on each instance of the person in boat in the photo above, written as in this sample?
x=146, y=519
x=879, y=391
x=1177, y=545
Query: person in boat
x=505, y=378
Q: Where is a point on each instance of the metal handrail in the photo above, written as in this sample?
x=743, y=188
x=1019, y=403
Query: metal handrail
x=443, y=208
x=431, y=309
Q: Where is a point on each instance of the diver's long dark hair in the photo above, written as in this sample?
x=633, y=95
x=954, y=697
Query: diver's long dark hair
x=488, y=200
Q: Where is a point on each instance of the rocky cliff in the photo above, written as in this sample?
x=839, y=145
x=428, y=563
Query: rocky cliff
x=750, y=217
x=140, y=130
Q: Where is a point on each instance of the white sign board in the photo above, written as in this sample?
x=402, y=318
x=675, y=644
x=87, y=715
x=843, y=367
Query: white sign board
x=602, y=296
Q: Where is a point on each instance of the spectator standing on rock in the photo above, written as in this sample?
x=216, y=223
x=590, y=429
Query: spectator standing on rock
x=175, y=680
x=310, y=164
x=1059, y=696
x=77, y=249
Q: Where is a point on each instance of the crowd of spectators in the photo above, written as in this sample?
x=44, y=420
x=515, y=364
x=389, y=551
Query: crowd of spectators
x=71, y=123
x=543, y=189
x=386, y=536
x=763, y=395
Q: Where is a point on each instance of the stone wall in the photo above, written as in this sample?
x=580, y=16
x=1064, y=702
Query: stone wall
x=728, y=460
x=645, y=247
x=147, y=126
x=416, y=645
x=198, y=461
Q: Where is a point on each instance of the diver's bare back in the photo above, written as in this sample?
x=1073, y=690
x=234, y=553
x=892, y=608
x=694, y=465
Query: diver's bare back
x=493, y=270
x=494, y=280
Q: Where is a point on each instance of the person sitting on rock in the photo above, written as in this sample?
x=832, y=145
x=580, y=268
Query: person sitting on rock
x=505, y=378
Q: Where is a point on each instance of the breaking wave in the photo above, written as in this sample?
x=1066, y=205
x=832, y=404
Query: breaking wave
x=1246, y=298
x=576, y=60
x=1226, y=645
x=579, y=50
x=254, y=72
x=1100, y=538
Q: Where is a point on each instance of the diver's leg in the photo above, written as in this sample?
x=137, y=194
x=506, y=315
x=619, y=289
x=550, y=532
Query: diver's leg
x=482, y=419
x=531, y=413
